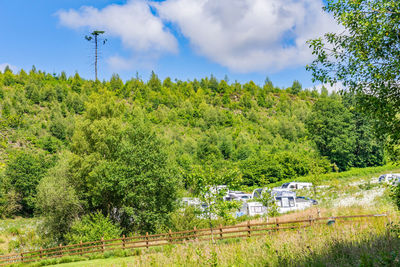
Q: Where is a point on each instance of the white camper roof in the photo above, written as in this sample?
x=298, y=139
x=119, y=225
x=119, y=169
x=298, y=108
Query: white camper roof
x=281, y=193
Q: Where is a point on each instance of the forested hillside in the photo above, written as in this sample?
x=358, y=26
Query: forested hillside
x=84, y=141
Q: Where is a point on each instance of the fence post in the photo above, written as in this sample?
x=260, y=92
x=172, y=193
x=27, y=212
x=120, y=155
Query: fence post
x=123, y=241
x=22, y=257
x=169, y=236
x=194, y=233
x=277, y=224
x=102, y=244
x=40, y=252
x=248, y=229
x=220, y=231
x=81, y=245
x=61, y=252
x=147, y=239
x=310, y=218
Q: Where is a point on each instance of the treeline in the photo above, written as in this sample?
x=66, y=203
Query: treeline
x=127, y=148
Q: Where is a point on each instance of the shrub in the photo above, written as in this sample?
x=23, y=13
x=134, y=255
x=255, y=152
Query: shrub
x=93, y=227
x=187, y=218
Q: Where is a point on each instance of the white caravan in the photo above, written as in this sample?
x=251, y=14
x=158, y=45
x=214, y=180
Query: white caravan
x=237, y=195
x=296, y=185
x=285, y=200
x=252, y=209
x=257, y=193
x=389, y=178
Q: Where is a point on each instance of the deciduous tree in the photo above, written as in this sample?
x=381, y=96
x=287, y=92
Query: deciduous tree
x=364, y=57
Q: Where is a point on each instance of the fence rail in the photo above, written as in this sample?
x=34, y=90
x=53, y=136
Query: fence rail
x=195, y=235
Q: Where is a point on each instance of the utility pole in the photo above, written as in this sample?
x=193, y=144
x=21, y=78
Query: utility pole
x=95, y=38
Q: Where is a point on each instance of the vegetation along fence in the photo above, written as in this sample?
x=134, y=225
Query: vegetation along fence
x=145, y=241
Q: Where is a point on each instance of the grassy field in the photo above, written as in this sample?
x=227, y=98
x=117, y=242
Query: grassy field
x=368, y=243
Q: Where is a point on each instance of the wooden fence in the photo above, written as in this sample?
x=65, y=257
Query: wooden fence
x=245, y=230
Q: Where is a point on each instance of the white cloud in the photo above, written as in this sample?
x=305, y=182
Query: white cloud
x=119, y=63
x=250, y=35
x=331, y=88
x=4, y=65
x=139, y=30
x=243, y=35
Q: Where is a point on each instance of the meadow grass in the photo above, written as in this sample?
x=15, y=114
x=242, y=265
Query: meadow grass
x=368, y=242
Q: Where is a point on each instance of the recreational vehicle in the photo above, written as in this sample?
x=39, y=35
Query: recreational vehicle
x=252, y=209
x=285, y=200
x=389, y=178
x=237, y=195
x=296, y=185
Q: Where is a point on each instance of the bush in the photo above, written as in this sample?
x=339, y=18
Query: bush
x=186, y=219
x=93, y=227
x=10, y=203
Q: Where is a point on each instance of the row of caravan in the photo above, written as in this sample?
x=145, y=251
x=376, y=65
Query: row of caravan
x=285, y=199
x=239, y=195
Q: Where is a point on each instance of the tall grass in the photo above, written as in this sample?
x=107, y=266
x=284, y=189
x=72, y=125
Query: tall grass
x=359, y=244
x=369, y=242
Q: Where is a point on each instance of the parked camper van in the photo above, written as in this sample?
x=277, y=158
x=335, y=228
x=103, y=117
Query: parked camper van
x=252, y=209
x=285, y=200
x=257, y=193
x=237, y=195
x=296, y=185
x=389, y=177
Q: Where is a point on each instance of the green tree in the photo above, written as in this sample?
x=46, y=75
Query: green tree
x=204, y=183
x=122, y=168
x=364, y=57
x=154, y=82
x=58, y=128
x=77, y=83
x=295, y=88
x=331, y=128
x=57, y=201
x=369, y=147
x=23, y=173
x=116, y=83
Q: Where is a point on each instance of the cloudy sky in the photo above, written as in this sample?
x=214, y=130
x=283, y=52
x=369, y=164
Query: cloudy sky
x=184, y=39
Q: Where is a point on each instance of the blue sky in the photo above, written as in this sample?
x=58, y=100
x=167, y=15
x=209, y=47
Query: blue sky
x=184, y=39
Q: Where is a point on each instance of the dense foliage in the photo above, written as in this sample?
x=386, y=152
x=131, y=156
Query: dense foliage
x=70, y=147
x=93, y=227
x=343, y=135
x=364, y=57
